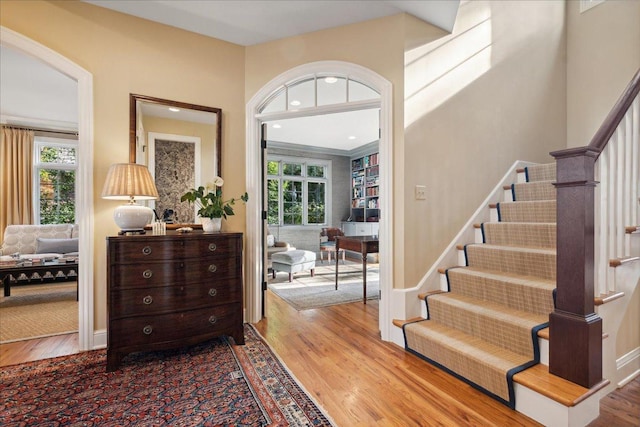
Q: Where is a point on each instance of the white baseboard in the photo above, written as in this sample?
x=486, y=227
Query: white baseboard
x=628, y=367
x=99, y=339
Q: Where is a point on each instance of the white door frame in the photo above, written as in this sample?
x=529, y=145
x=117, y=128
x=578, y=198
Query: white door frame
x=254, y=244
x=84, y=174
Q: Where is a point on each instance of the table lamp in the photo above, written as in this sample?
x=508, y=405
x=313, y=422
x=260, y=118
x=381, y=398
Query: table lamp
x=130, y=181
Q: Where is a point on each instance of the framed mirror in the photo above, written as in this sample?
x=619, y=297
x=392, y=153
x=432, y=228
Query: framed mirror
x=181, y=145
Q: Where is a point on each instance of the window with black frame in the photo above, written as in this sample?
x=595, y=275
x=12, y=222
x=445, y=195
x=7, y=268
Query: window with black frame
x=297, y=191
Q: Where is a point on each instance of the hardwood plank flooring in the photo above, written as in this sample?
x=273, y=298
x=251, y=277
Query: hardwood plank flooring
x=37, y=349
x=337, y=355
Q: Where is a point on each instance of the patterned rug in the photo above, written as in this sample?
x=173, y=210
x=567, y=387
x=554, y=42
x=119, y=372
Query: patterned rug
x=38, y=310
x=305, y=292
x=213, y=384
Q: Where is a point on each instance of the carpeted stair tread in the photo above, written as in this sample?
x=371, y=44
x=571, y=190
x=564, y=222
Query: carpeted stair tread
x=528, y=211
x=530, y=191
x=516, y=291
x=525, y=234
x=478, y=361
x=510, y=259
x=502, y=326
x=545, y=172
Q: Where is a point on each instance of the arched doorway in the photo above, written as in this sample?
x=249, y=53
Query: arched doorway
x=254, y=247
x=84, y=175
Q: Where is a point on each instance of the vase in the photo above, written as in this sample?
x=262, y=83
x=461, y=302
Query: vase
x=211, y=224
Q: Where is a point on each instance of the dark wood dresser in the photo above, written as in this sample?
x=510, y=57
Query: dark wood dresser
x=172, y=290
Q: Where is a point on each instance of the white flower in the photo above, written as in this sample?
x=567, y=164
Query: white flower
x=211, y=185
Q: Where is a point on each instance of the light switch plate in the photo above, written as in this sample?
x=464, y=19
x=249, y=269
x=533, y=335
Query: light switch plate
x=421, y=192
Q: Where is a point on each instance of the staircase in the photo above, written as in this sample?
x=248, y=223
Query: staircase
x=484, y=328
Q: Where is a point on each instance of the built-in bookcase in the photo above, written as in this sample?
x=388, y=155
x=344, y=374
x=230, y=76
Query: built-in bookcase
x=365, y=181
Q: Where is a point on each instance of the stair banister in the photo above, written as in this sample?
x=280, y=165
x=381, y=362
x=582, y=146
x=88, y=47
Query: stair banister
x=575, y=350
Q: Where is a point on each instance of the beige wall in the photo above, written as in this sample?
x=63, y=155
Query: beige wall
x=491, y=93
x=129, y=55
x=603, y=53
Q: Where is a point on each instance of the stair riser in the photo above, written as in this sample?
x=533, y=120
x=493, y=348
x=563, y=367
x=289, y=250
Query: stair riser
x=533, y=264
x=535, y=235
x=546, y=172
x=541, y=211
x=472, y=369
x=497, y=331
x=517, y=296
x=532, y=191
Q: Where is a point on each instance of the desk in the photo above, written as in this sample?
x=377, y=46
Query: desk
x=362, y=244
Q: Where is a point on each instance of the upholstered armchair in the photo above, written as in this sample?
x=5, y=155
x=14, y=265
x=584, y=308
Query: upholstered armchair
x=328, y=242
x=274, y=246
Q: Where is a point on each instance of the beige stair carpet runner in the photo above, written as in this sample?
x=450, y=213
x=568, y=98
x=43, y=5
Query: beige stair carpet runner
x=484, y=329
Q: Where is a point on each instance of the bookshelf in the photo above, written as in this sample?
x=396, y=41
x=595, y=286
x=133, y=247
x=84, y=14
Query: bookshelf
x=365, y=190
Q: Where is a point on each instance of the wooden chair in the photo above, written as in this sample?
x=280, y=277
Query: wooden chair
x=328, y=242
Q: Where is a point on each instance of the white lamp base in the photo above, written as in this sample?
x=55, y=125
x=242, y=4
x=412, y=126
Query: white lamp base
x=132, y=217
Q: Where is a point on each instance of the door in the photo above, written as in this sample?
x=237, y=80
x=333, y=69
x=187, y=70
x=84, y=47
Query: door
x=265, y=194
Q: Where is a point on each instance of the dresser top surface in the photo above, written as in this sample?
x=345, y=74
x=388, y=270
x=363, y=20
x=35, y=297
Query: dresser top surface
x=173, y=235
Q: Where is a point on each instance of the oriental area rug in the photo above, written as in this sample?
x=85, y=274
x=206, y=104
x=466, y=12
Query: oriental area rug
x=210, y=384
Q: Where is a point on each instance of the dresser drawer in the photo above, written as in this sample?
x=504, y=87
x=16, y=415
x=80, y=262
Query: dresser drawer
x=156, y=329
x=169, y=273
x=156, y=248
x=145, y=301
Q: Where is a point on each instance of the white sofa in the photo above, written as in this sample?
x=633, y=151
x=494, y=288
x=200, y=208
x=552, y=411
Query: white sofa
x=40, y=241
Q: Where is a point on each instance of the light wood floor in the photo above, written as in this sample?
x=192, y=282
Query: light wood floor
x=336, y=354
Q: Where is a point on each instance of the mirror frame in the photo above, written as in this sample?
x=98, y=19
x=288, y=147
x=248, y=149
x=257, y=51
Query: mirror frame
x=133, y=119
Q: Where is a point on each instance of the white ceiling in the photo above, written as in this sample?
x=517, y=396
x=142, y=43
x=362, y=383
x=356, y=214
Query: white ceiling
x=252, y=22
x=33, y=94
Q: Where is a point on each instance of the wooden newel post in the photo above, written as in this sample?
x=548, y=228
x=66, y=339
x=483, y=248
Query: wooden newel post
x=575, y=350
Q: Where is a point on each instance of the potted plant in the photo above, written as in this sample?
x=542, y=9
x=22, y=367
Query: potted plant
x=211, y=206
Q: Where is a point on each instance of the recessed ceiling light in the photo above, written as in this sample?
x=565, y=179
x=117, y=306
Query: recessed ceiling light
x=330, y=80
x=174, y=109
x=277, y=126
x=352, y=137
x=295, y=103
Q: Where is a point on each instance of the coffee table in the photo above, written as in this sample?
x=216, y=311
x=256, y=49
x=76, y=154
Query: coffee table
x=48, y=270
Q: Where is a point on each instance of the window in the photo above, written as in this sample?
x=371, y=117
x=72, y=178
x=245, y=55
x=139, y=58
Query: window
x=319, y=90
x=55, y=165
x=297, y=191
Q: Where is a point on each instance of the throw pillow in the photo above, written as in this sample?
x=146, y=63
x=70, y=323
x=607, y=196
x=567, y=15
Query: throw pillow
x=56, y=246
x=271, y=240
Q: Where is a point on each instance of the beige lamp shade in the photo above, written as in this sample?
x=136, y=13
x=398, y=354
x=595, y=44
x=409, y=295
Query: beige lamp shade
x=126, y=181
x=130, y=181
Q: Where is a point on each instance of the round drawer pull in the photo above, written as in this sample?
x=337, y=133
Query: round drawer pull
x=147, y=274
x=147, y=330
x=147, y=300
x=213, y=292
x=212, y=247
x=213, y=268
x=213, y=319
x=146, y=250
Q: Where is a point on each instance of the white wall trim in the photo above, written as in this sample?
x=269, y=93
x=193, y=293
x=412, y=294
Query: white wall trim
x=253, y=272
x=84, y=201
x=628, y=361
